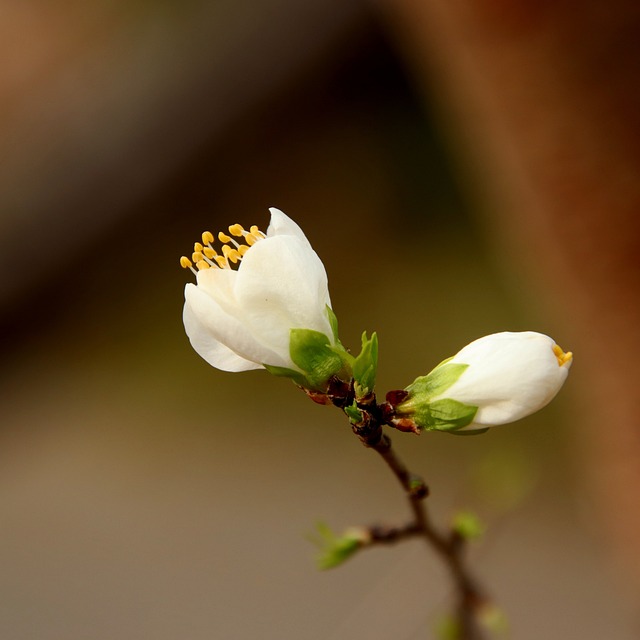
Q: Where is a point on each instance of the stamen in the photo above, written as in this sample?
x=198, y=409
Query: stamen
x=204, y=256
x=209, y=252
x=561, y=356
x=230, y=254
x=185, y=263
x=256, y=231
x=199, y=256
x=223, y=237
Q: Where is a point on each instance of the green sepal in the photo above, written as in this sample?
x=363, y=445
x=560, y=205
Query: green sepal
x=334, y=550
x=353, y=413
x=333, y=321
x=436, y=382
x=365, y=366
x=313, y=353
x=284, y=372
x=444, y=415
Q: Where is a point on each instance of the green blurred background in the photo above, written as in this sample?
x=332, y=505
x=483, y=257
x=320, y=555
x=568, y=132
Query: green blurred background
x=145, y=494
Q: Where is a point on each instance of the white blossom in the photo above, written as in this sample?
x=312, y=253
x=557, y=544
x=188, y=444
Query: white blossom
x=241, y=318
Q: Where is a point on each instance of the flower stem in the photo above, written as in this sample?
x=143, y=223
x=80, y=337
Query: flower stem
x=450, y=546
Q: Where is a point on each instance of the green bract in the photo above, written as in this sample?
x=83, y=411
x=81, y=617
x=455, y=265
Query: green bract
x=443, y=414
x=365, y=365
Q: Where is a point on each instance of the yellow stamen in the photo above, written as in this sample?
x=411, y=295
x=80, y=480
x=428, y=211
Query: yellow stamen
x=230, y=254
x=204, y=256
x=563, y=358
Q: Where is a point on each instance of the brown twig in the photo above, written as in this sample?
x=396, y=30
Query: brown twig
x=449, y=546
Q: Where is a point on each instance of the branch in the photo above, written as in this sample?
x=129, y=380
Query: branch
x=449, y=546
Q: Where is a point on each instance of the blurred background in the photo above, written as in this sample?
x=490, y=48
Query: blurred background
x=461, y=167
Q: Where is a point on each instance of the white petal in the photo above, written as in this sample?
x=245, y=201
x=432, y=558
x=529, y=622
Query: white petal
x=282, y=225
x=221, y=338
x=282, y=285
x=211, y=349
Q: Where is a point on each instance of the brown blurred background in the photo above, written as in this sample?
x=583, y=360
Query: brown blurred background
x=461, y=167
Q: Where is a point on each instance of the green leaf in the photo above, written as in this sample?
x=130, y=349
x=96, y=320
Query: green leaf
x=334, y=550
x=313, y=353
x=365, y=366
x=353, y=413
x=438, y=381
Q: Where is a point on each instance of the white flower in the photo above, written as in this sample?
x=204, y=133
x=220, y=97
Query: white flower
x=241, y=319
x=510, y=376
x=494, y=380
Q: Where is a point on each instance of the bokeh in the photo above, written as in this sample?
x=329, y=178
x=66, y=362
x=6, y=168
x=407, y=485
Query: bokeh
x=145, y=494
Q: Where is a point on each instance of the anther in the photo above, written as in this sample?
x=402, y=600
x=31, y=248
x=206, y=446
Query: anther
x=561, y=356
x=197, y=247
x=207, y=237
x=223, y=237
x=242, y=249
x=185, y=263
x=196, y=256
x=222, y=262
x=256, y=231
x=202, y=265
x=236, y=230
x=209, y=252
x=230, y=254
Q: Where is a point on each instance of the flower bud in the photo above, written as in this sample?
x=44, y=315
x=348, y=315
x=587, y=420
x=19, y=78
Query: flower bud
x=496, y=379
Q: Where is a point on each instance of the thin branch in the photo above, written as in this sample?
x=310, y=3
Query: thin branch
x=450, y=546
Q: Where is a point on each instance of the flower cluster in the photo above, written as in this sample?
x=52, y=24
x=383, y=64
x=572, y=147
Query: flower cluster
x=261, y=301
